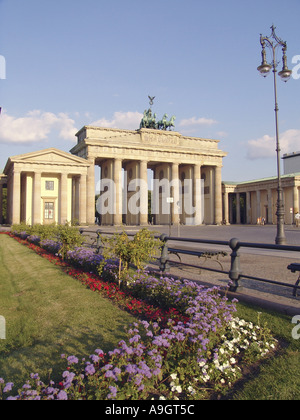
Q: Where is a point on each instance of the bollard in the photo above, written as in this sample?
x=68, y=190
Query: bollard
x=235, y=270
x=163, y=263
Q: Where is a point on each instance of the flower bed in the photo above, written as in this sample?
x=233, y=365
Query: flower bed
x=186, y=344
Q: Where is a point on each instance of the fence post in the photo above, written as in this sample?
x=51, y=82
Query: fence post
x=163, y=263
x=235, y=270
x=99, y=241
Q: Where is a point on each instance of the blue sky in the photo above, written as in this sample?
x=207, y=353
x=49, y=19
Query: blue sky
x=71, y=63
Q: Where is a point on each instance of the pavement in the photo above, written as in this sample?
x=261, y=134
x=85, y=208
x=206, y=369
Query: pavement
x=260, y=263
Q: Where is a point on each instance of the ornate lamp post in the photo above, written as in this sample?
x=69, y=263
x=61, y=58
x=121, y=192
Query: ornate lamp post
x=273, y=42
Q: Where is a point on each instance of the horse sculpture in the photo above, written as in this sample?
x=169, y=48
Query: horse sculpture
x=149, y=121
x=170, y=123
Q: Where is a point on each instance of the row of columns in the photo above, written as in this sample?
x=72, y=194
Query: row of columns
x=116, y=176
x=83, y=195
x=118, y=205
x=253, y=214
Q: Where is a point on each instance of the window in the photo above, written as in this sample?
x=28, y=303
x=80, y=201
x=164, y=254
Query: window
x=49, y=211
x=49, y=185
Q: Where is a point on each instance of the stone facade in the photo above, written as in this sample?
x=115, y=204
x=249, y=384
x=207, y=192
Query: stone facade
x=48, y=186
x=171, y=156
x=254, y=202
x=51, y=186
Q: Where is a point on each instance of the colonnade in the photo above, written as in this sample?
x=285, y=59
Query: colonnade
x=181, y=193
x=258, y=205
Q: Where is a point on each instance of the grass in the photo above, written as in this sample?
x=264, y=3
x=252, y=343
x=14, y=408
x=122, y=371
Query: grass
x=48, y=313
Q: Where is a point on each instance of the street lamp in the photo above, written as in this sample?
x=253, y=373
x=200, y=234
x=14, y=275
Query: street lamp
x=274, y=42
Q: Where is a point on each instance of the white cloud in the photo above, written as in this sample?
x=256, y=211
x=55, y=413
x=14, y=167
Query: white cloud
x=196, y=122
x=222, y=134
x=265, y=147
x=125, y=120
x=35, y=127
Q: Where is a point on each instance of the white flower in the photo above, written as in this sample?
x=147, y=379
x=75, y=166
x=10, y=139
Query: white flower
x=206, y=378
x=173, y=376
x=191, y=390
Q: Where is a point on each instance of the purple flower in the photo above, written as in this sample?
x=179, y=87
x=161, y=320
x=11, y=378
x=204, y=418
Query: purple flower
x=117, y=371
x=95, y=358
x=90, y=370
x=8, y=387
x=69, y=376
x=50, y=390
x=135, y=339
x=138, y=380
x=156, y=372
x=113, y=391
x=62, y=396
x=72, y=360
x=131, y=369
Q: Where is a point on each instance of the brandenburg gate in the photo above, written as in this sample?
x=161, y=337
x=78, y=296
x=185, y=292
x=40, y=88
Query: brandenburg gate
x=51, y=186
x=186, y=175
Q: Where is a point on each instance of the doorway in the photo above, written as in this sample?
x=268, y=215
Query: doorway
x=49, y=212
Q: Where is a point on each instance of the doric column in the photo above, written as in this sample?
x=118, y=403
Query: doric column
x=16, y=204
x=82, y=199
x=248, y=206
x=76, y=198
x=37, y=199
x=118, y=211
x=238, y=208
x=218, y=195
x=258, y=215
x=226, y=207
x=63, y=198
x=270, y=207
x=296, y=199
x=197, y=195
x=91, y=193
x=143, y=193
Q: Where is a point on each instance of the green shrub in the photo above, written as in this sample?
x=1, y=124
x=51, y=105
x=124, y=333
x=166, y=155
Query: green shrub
x=139, y=251
x=69, y=237
x=45, y=231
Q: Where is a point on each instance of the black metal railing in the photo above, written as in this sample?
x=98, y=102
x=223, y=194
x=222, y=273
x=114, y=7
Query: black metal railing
x=235, y=274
